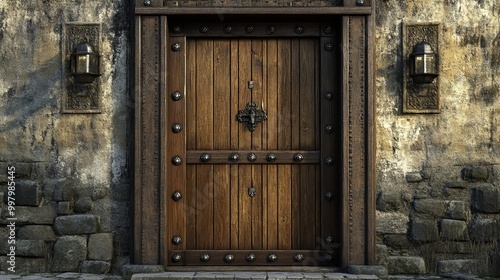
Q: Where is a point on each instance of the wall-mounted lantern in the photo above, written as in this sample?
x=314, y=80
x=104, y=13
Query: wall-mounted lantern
x=423, y=63
x=85, y=66
x=421, y=73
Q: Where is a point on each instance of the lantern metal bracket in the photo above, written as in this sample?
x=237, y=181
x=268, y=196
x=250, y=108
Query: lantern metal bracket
x=419, y=98
x=80, y=97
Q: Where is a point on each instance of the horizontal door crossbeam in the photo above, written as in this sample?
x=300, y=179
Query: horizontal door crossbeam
x=253, y=157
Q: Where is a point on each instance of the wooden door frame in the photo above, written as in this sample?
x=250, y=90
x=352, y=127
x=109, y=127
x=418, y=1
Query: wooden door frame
x=358, y=115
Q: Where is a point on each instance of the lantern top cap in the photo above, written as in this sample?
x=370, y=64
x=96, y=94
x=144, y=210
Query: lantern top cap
x=422, y=48
x=84, y=48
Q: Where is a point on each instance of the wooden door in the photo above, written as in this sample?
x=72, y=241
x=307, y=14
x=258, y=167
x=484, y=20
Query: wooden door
x=250, y=191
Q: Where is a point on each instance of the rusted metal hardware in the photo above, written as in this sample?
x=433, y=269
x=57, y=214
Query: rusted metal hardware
x=252, y=192
x=251, y=116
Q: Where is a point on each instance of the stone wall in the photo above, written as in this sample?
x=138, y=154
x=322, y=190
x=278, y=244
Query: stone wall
x=71, y=170
x=438, y=176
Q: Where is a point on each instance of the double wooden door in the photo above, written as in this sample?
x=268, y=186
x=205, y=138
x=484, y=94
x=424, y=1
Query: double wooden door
x=253, y=170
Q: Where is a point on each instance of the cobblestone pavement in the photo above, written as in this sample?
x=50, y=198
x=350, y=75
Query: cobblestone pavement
x=227, y=275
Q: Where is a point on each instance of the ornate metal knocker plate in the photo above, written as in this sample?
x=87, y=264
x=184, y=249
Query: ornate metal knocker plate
x=251, y=116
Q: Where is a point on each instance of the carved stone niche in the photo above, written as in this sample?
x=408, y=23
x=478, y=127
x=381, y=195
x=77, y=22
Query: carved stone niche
x=79, y=97
x=420, y=98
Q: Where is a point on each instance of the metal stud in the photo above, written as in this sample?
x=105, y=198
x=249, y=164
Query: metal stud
x=176, y=47
x=270, y=29
x=204, y=257
x=147, y=3
x=234, y=157
x=298, y=257
x=176, y=128
x=229, y=258
x=360, y=2
x=177, y=160
x=176, y=96
x=328, y=47
x=328, y=96
x=328, y=128
x=176, y=258
x=298, y=29
x=272, y=257
x=329, y=196
x=329, y=161
x=176, y=196
x=271, y=157
x=252, y=157
x=329, y=258
x=327, y=29
x=298, y=157
x=250, y=29
x=204, y=29
x=228, y=28
x=177, y=240
x=177, y=29
x=250, y=257
x=205, y=157
x=329, y=239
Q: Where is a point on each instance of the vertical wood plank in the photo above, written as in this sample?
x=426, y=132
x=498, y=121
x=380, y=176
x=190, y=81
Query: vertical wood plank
x=272, y=143
x=257, y=74
x=297, y=206
x=234, y=214
x=222, y=141
x=245, y=142
x=284, y=110
x=175, y=145
x=204, y=140
x=191, y=116
x=148, y=139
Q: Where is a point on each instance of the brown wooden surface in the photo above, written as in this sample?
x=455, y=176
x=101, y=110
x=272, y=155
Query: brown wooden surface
x=277, y=11
x=284, y=257
x=147, y=140
x=357, y=150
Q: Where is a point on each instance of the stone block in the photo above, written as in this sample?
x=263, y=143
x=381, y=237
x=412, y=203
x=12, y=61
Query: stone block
x=454, y=230
x=95, y=267
x=382, y=254
x=430, y=207
x=129, y=270
x=389, y=202
x=64, y=208
x=458, y=210
x=37, y=232
x=23, y=170
x=397, y=241
x=424, y=230
x=59, y=189
x=483, y=229
x=83, y=205
x=392, y=222
x=167, y=275
x=24, y=265
x=76, y=224
x=100, y=246
x=475, y=173
x=377, y=270
x=26, y=248
x=457, y=266
x=406, y=265
x=28, y=193
x=486, y=199
x=69, y=252
x=413, y=177
x=44, y=215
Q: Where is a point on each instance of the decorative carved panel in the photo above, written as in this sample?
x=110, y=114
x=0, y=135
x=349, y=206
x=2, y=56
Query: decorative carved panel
x=77, y=97
x=419, y=98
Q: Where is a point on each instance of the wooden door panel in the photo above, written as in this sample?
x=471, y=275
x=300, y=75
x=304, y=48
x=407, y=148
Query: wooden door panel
x=282, y=77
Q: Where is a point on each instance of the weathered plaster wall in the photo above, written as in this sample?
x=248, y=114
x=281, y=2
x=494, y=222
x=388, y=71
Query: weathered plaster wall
x=89, y=150
x=425, y=162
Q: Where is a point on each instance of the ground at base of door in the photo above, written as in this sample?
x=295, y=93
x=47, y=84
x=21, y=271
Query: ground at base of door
x=228, y=275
